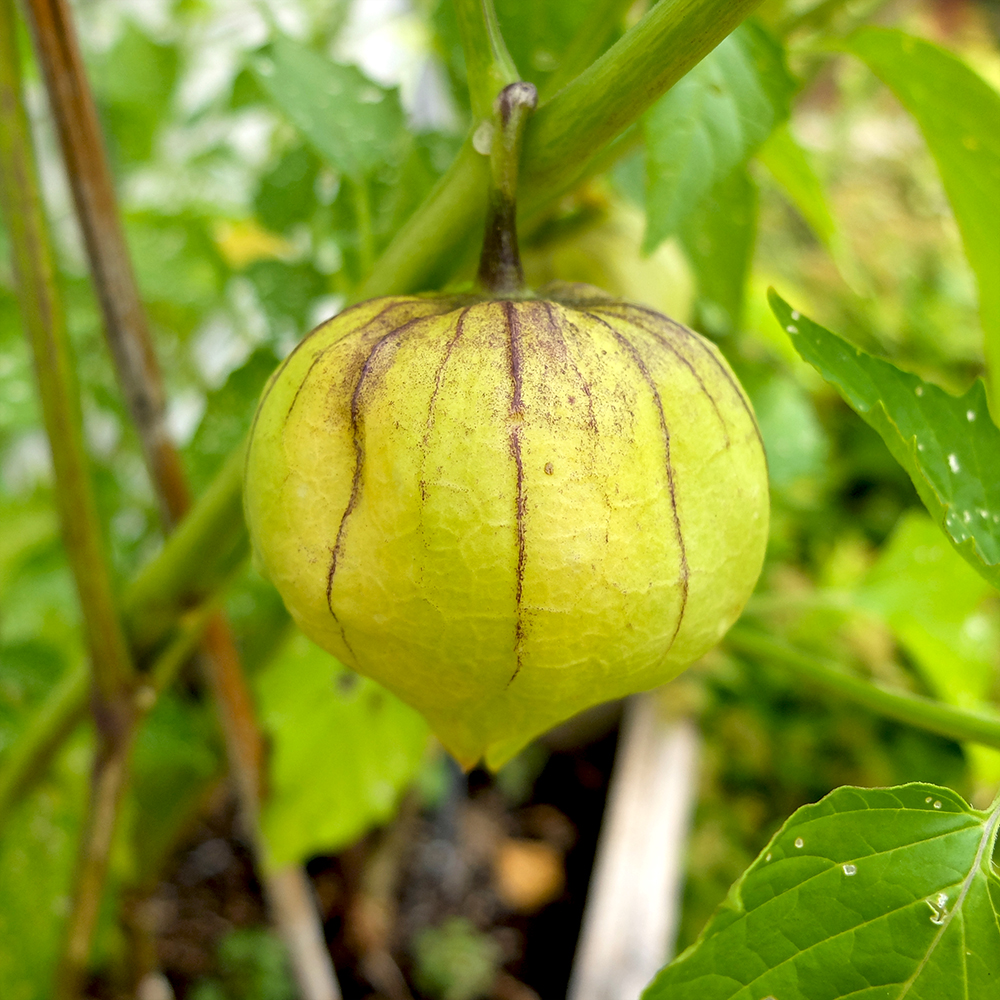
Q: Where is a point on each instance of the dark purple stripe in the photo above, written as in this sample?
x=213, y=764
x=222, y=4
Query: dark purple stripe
x=557, y=327
x=359, y=458
x=699, y=342
x=329, y=347
x=664, y=342
x=517, y=410
x=641, y=365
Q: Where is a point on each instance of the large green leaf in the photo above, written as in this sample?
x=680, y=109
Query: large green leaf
x=354, y=124
x=935, y=604
x=789, y=165
x=342, y=751
x=959, y=115
x=718, y=238
x=948, y=444
x=710, y=123
x=872, y=894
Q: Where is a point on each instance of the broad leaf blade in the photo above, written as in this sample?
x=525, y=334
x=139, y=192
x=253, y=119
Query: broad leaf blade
x=710, y=123
x=718, y=238
x=354, y=124
x=342, y=751
x=948, y=444
x=789, y=165
x=869, y=893
x=959, y=115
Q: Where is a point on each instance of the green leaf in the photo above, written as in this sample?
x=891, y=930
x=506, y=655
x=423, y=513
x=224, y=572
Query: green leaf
x=354, y=124
x=872, y=894
x=789, y=165
x=932, y=599
x=718, y=237
x=935, y=604
x=959, y=115
x=342, y=751
x=37, y=856
x=710, y=123
x=948, y=444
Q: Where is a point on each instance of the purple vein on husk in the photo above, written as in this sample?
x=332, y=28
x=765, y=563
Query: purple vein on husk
x=364, y=328
x=336, y=553
x=517, y=412
x=557, y=328
x=664, y=342
x=431, y=411
x=700, y=343
x=636, y=357
x=592, y=418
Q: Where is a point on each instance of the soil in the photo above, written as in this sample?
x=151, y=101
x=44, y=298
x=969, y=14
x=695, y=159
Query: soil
x=493, y=870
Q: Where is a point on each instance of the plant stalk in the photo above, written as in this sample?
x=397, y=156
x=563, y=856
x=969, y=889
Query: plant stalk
x=923, y=713
x=561, y=138
x=126, y=326
x=112, y=671
x=138, y=371
x=488, y=64
x=500, y=271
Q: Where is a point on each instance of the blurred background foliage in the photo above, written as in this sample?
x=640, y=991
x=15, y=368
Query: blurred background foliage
x=265, y=155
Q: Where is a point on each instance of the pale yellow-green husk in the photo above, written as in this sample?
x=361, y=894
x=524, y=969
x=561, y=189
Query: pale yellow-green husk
x=506, y=512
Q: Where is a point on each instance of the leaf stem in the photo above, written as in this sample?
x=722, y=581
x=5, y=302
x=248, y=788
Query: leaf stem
x=488, y=64
x=561, y=138
x=500, y=271
x=924, y=713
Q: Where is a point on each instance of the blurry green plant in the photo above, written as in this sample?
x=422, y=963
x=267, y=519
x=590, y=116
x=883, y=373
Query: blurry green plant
x=265, y=184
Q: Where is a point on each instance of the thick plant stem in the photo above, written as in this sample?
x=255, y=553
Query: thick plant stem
x=112, y=672
x=138, y=371
x=923, y=713
x=488, y=64
x=603, y=18
x=561, y=138
x=500, y=271
x=44, y=324
x=89, y=175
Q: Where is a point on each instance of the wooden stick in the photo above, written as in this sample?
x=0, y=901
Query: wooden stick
x=132, y=349
x=633, y=904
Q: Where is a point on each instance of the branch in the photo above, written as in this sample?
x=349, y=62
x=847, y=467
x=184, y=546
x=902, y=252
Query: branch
x=112, y=671
x=924, y=713
x=587, y=44
x=488, y=64
x=126, y=327
x=45, y=326
x=562, y=137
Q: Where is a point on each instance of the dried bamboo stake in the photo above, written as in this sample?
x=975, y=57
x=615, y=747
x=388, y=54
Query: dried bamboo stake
x=633, y=903
x=139, y=374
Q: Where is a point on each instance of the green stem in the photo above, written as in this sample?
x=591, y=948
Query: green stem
x=924, y=713
x=44, y=323
x=488, y=64
x=500, y=271
x=561, y=138
x=363, y=217
x=589, y=41
x=195, y=560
